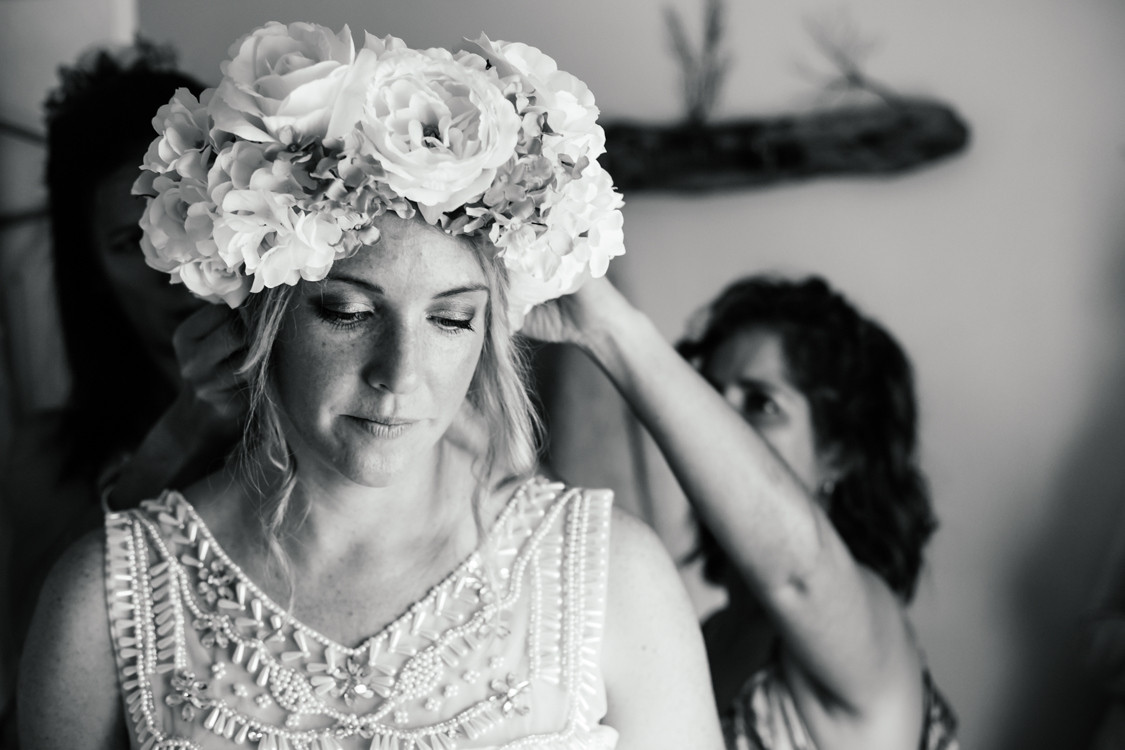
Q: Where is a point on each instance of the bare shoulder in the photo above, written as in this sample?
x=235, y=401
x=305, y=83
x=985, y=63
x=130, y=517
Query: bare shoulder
x=68, y=658
x=634, y=549
x=74, y=591
x=651, y=632
x=643, y=583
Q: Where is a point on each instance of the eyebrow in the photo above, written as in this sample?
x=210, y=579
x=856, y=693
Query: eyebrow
x=379, y=290
x=462, y=290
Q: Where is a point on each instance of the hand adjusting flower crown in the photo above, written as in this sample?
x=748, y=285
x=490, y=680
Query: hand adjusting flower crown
x=281, y=170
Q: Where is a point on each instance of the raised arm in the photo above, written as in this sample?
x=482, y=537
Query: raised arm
x=849, y=656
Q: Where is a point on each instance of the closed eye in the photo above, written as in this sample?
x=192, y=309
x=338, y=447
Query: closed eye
x=453, y=325
x=343, y=319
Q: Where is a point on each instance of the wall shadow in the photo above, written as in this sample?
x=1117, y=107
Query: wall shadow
x=1071, y=568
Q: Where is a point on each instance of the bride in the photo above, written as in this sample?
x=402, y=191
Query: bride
x=381, y=568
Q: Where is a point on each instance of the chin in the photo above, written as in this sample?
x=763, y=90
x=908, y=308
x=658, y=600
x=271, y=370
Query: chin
x=380, y=465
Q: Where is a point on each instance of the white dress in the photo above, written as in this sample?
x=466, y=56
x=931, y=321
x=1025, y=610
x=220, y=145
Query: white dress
x=504, y=653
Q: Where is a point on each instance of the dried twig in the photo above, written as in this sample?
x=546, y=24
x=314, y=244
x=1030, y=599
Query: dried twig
x=703, y=72
x=839, y=39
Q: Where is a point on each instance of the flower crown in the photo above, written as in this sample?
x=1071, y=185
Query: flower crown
x=281, y=170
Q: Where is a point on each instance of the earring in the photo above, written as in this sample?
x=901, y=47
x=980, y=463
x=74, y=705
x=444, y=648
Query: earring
x=826, y=488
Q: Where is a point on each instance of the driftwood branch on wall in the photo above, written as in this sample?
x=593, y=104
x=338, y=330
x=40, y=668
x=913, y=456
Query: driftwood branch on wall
x=880, y=138
x=881, y=132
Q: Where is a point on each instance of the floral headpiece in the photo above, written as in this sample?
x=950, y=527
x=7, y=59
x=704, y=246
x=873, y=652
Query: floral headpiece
x=281, y=170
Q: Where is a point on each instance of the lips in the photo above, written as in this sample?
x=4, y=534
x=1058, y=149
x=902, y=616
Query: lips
x=383, y=427
x=386, y=421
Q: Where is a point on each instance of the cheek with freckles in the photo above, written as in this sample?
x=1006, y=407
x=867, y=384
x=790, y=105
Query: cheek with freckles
x=330, y=380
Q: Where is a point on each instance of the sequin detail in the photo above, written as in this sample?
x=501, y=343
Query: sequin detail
x=200, y=647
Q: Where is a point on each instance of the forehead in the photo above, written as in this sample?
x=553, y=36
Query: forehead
x=750, y=354
x=411, y=256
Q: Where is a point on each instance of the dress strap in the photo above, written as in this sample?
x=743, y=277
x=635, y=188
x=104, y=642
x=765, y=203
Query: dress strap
x=146, y=625
x=568, y=559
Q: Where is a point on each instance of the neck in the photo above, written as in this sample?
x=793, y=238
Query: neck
x=427, y=506
x=425, y=514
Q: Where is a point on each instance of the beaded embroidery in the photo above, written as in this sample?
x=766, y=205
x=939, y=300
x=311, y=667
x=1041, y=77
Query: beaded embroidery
x=206, y=658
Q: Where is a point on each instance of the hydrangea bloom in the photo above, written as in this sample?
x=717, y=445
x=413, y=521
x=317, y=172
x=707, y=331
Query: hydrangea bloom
x=283, y=168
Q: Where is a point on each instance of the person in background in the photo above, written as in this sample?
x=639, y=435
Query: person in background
x=798, y=449
x=130, y=396
x=831, y=394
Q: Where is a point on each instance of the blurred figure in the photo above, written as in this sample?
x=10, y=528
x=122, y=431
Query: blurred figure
x=831, y=393
x=810, y=489
x=130, y=397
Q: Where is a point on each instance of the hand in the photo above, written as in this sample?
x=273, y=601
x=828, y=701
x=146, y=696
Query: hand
x=201, y=425
x=577, y=318
x=210, y=346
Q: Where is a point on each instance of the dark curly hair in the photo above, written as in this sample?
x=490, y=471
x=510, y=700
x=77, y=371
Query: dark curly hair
x=860, y=389
x=99, y=118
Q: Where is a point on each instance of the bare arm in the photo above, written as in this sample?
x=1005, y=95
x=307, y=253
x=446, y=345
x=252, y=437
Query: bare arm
x=68, y=696
x=849, y=656
x=653, y=660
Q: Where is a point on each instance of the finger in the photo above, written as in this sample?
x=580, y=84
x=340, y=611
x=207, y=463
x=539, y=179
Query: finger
x=228, y=400
x=228, y=380
x=219, y=344
x=211, y=364
x=200, y=323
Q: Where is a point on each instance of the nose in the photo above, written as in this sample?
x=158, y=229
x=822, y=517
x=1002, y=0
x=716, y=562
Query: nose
x=392, y=365
x=735, y=395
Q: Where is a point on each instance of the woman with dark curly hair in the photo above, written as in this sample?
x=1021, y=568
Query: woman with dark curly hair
x=831, y=393
x=129, y=396
x=812, y=507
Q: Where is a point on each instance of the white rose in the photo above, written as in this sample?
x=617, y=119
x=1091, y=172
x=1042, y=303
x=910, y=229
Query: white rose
x=438, y=126
x=183, y=148
x=565, y=100
x=247, y=217
x=282, y=81
x=166, y=242
x=233, y=168
x=304, y=252
x=583, y=232
x=183, y=124
x=588, y=210
x=214, y=281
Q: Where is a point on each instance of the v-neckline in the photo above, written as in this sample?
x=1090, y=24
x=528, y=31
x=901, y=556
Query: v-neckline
x=471, y=562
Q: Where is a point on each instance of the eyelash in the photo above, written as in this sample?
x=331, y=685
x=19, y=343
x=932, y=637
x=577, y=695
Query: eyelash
x=454, y=326
x=349, y=320
x=342, y=320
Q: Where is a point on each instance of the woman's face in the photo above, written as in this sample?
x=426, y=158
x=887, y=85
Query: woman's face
x=750, y=370
x=153, y=306
x=373, y=363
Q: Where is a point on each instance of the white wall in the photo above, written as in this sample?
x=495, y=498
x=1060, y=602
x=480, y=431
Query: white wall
x=1000, y=271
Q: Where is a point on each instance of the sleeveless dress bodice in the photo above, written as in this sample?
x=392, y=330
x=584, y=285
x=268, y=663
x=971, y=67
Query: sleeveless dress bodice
x=503, y=653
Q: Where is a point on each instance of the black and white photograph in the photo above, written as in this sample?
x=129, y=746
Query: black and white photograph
x=498, y=375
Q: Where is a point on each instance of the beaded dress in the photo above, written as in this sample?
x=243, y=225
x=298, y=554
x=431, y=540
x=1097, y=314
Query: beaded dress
x=503, y=653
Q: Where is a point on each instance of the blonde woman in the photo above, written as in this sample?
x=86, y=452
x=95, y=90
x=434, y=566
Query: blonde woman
x=382, y=568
